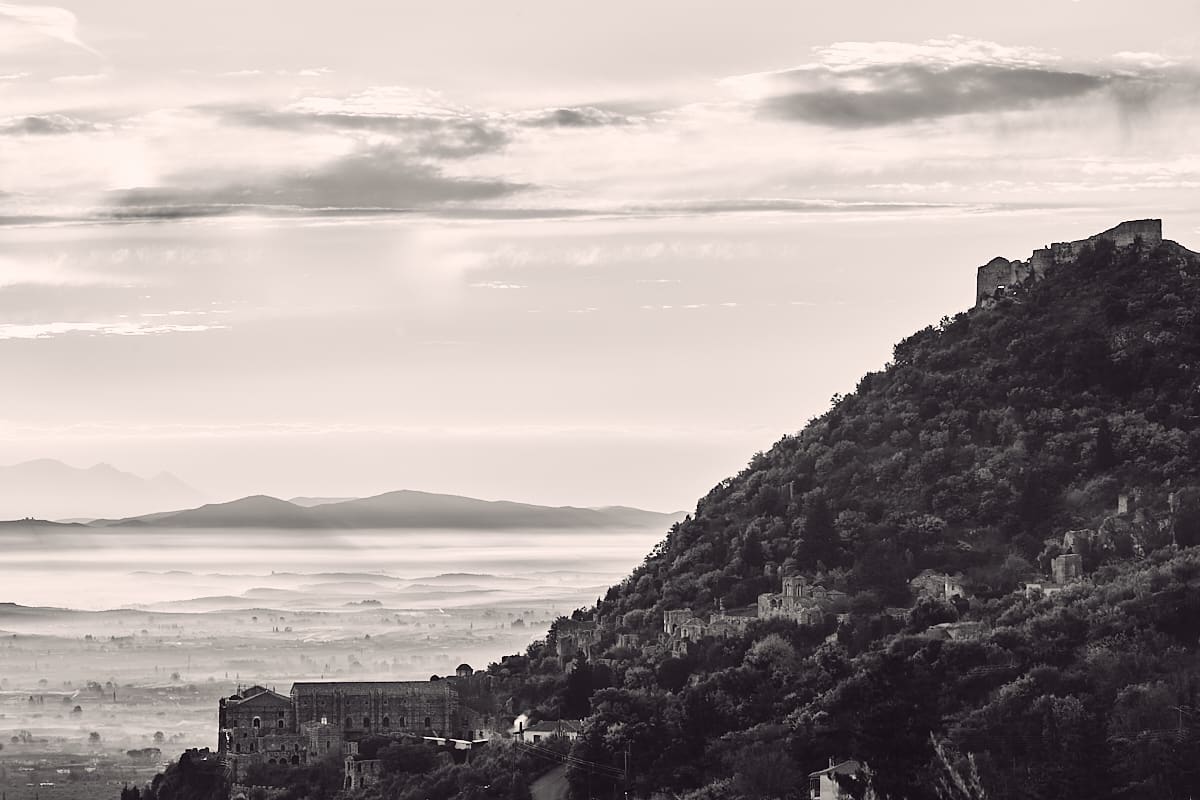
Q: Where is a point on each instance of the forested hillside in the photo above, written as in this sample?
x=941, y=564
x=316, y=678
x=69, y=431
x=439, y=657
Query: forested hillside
x=988, y=437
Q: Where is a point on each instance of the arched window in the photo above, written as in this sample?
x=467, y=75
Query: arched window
x=279, y=725
x=387, y=722
x=349, y=723
x=428, y=722
x=257, y=723
x=295, y=759
x=402, y=722
x=366, y=722
x=237, y=748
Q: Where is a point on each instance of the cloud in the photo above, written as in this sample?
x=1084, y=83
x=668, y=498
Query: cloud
x=580, y=117
x=906, y=93
x=874, y=84
x=429, y=136
x=497, y=285
x=859, y=85
x=88, y=77
x=45, y=124
x=781, y=205
x=376, y=178
x=1144, y=60
x=422, y=121
x=49, y=330
x=22, y=23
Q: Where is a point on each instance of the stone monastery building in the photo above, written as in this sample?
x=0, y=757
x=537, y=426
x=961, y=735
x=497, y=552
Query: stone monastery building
x=259, y=726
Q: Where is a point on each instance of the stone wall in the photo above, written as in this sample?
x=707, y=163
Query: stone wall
x=1123, y=235
x=674, y=618
x=992, y=276
x=359, y=774
x=1067, y=567
x=1001, y=275
x=258, y=711
x=358, y=709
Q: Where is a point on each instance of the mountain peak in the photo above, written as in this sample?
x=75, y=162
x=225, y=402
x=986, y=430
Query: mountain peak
x=399, y=509
x=50, y=489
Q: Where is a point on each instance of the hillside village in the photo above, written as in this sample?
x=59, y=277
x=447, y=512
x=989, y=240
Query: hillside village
x=804, y=602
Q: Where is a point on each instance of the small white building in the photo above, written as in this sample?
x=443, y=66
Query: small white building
x=823, y=784
x=552, y=729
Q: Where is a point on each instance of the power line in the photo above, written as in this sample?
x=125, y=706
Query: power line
x=566, y=758
x=589, y=766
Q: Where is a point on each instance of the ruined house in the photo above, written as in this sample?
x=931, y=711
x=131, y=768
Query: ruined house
x=575, y=637
x=1064, y=569
x=938, y=585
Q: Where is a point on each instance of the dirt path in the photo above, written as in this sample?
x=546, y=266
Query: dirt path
x=552, y=785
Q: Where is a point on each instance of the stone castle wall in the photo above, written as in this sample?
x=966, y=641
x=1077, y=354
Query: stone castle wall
x=1000, y=274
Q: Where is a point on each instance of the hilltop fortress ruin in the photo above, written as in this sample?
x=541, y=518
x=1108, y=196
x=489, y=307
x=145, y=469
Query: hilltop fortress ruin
x=1000, y=275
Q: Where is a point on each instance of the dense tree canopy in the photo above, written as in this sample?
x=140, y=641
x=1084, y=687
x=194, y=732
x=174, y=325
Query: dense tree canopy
x=986, y=439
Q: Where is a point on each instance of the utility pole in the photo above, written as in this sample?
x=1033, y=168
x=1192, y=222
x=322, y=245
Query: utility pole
x=627, y=771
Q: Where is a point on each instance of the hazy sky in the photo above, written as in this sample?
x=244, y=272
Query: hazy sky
x=549, y=251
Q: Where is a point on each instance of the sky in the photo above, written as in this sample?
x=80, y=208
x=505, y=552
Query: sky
x=547, y=251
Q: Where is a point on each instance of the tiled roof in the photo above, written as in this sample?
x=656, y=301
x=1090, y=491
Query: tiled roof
x=259, y=693
x=845, y=768
x=556, y=726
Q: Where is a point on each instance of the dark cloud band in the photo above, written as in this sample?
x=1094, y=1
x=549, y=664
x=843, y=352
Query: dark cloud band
x=894, y=94
x=45, y=125
x=378, y=178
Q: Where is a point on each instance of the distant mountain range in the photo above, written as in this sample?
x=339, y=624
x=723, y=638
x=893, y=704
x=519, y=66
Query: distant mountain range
x=50, y=489
x=33, y=492
x=400, y=509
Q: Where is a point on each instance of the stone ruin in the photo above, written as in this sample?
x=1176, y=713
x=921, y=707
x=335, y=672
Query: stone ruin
x=1000, y=275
